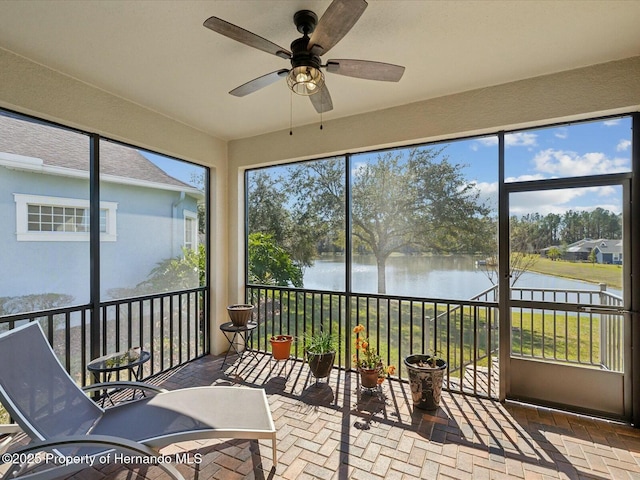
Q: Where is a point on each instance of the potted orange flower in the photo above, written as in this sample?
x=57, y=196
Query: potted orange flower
x=369, y=361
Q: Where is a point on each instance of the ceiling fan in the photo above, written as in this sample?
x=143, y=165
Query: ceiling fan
x=318, y=37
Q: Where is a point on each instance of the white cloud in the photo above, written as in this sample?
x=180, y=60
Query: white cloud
x=543, y=202
x=611, y=123
x=606, y=191
x=488, y=188
x=488, y=141
x=561, y=200
x=623, y=145
x=520, y=139
x=562, y=133
x=524, y=178
x=567, y=163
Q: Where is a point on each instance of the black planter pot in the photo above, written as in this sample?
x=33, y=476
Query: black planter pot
x=320, y=364
x=425, y=381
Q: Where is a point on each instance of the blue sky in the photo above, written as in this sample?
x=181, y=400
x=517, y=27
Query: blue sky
x=176, y=168
x=591, y=148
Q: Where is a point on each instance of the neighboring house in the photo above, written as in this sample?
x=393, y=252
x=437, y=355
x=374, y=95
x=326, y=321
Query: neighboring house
x=579, y=251
x=146, y=215
x=607, y=251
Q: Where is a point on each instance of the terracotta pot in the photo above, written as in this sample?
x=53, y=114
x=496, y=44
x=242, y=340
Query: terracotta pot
x=369, y=377
x=281, y=346
x=240, y=314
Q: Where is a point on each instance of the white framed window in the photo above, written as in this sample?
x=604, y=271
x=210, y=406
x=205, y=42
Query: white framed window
x=57, y=219
x=190, y=230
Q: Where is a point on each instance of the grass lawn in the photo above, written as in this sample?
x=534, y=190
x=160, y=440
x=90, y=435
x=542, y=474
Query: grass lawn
x=590, y=272
x=569, y=336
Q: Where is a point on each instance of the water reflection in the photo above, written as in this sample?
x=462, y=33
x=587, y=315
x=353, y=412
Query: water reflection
x=448, y=276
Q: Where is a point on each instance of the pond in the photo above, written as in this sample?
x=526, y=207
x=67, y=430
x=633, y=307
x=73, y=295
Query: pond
x=439, y=276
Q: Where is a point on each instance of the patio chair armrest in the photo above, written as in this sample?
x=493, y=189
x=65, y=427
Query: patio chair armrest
x=8, y=432
x=124, y=384
x=109, y=441
x=9, y=428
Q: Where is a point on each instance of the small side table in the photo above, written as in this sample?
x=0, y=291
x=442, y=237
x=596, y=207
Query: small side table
x=113, y=362
x=234, y=333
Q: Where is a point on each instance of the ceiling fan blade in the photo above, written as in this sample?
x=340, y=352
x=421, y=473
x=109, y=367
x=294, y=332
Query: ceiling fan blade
x=366, y=69
x=322, y=100
x=335, y=23
x=258, y=83
x=245, y=36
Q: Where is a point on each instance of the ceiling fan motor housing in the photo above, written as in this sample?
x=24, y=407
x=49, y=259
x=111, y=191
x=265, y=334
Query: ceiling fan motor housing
x=305, y=21
x=305, y=77
x=301, y=57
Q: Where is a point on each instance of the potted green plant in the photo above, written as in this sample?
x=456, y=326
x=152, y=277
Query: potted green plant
x=320, y=350
x=426, y=374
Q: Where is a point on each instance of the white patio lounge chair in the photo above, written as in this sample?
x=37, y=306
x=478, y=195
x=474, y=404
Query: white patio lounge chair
x=59, y=417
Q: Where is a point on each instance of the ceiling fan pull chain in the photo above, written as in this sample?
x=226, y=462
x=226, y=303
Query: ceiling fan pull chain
x=290, y=112
x=322, y=107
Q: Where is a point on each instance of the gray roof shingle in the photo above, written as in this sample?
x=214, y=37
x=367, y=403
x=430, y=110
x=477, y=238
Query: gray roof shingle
x=62, y=148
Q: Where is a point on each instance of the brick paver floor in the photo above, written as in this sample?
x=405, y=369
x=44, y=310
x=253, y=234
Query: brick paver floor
x=335, y=431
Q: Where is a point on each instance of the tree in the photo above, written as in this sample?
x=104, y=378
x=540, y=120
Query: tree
x=34, y=302
x=573, y=228
x=416, y=199
x=270, y=264
x=266, y=206
x=554, y=253
x=524, y=245
x=592, y=256
x=176, y=273
x=267, y=200
x=198, y=180
x=550, y=226
x=318, y=192
x=404, y=200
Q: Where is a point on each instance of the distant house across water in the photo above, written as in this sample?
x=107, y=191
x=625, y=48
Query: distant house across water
x=606, y=251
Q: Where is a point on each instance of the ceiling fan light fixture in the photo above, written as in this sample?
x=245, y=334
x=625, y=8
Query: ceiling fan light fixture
x=305, y=80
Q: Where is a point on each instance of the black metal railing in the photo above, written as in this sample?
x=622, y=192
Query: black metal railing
x=464, y=333
x=172, y=326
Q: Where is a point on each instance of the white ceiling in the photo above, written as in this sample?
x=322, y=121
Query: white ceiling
x=158, y=55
